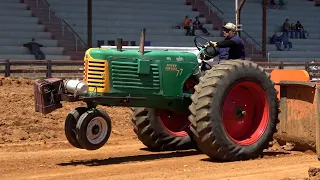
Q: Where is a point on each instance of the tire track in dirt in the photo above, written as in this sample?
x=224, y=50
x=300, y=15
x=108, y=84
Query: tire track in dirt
x=128, y=160
x=33, y=146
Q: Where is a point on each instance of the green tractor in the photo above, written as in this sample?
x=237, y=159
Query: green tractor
x=228, y=110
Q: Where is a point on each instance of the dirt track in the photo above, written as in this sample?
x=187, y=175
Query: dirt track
x=33, y=146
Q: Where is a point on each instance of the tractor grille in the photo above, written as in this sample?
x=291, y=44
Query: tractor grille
x=97, y=75
x=125, y=75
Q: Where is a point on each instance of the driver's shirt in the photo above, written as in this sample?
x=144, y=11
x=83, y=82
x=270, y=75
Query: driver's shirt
x=235, y=45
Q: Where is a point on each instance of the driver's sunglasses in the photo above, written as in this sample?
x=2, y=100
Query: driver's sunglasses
x=226, y=30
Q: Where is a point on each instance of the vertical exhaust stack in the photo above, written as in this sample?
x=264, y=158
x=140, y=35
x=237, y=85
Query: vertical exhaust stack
x=142, y=40
x=119, y=44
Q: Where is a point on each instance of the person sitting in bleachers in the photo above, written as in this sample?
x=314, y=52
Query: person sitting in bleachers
x=293, y=30
x=285, y=40
x=286, y=27
x=271, y=2
x=186, y=25
x=198, y=25
x=282, y=3
x=275, y=39
x=34, y=48
x=191, y=27
x=300, y=30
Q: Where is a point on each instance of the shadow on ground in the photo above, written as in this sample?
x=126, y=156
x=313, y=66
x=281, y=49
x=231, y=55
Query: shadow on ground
x=264, y=155
x=128, y=159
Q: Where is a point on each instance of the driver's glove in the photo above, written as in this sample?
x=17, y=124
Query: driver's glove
x=211, y=43
x=214, y=44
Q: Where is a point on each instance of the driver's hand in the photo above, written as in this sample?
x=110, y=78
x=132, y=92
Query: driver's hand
x=214, y=44
x=210, y=43
x=202, y=56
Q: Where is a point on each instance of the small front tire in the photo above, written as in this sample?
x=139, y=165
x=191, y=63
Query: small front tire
x=70, y=125
x=93, y=129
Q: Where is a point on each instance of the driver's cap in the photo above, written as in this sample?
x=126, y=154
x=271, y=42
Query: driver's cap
x=230, y=26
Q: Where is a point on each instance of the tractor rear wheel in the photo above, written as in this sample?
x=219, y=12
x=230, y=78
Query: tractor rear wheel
x=234, y=111
x=162, y=130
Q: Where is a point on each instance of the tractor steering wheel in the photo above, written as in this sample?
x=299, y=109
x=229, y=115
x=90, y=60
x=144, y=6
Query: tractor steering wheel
x=204, y=49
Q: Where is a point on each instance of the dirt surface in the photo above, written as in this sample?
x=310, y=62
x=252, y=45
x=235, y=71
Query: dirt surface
x=33, y=146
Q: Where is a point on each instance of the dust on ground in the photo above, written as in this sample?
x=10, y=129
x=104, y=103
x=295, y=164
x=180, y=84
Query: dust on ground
x=33, y=146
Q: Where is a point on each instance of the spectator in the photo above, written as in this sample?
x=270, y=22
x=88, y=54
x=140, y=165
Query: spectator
x=275, y=39
x=191, y=27
x=282, y=3
x=34, y=48
x=186, y=25
x=285, y=40
x=293, y=30
x=286, y=27
x=198, y=25
x=271, y=2
x=300, y=30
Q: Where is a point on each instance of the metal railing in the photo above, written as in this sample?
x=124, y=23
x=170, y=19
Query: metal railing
x=68, y=68
x=266, y=52
x=63, y=24
x=213, y=5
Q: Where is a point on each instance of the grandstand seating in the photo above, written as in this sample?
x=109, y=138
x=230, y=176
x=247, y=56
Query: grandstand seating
x=118, y=19
x=125, y=18
x=18, y=26
x=251, y=19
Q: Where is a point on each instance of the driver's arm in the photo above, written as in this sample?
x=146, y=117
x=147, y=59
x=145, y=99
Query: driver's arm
x=226, y=43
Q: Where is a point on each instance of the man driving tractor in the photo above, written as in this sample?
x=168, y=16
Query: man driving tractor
x=232, y=47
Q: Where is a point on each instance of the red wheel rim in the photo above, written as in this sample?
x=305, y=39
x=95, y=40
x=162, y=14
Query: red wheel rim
x=175, y=124
x=245, y=113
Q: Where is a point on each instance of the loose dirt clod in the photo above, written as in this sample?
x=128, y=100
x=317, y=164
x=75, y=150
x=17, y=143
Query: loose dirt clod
x=314, y=173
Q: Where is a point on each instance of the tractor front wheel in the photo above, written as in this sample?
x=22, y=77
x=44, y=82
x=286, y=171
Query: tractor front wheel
x=162, y=130
x=93, y=129
x=234, y=111
x=70, y=125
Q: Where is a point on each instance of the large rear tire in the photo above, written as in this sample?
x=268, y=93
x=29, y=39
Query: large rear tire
x=234, y=111
x=161, y=130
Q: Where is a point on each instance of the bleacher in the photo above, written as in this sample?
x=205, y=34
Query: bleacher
x=125, y=19
x=296, y=10
x=18, y=26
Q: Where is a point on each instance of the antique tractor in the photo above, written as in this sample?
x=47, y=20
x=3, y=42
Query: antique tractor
x=228, y=110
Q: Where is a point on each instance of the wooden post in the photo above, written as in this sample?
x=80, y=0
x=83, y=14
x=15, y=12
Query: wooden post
x=307, y=68
x=7, y=68
x=89, y=23
x=281, y=65
x=49, y=69
x=264, y=28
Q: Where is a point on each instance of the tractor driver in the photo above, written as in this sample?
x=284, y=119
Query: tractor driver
x=232, y=47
